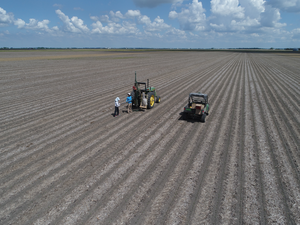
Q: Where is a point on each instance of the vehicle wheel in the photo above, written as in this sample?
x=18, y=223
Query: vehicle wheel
x=133, y=94
x=151, y=100
x=157, y=99
x=203, y=118
x=133, y=97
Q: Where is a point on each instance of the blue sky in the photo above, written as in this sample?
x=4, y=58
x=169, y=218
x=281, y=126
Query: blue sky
x=150, y=23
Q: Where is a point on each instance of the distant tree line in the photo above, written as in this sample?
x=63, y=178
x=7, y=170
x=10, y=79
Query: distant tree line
x=40, y=48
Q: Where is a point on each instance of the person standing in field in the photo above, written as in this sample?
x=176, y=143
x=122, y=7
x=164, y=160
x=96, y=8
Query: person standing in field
x=129, y=101
x=117, y=105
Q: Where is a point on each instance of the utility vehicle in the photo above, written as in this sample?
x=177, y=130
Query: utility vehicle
x=197, y=107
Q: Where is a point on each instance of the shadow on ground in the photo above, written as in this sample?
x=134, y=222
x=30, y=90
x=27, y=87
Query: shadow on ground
x=189, y=119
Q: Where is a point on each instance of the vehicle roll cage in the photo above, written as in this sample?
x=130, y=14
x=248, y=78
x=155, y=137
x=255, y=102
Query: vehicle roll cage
x=204, y=96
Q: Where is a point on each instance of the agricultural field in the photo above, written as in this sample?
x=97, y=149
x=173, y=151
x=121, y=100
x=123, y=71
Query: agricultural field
x=64, y=158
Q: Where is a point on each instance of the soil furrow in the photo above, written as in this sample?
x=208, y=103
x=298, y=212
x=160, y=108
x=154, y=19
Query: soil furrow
x=284, y=129
x=282, y=180
x=205, y=200
x=252, y=200
x=225, y=148
x=256, y=148
x=239, y=208
x=283, y=91
x=289, y=131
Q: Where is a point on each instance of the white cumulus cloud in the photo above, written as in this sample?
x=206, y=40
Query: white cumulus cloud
x=117, y=23
x=191, y=18
x=285, y=5
x=110, y=29
x=116, y=16
x=133, y=13
x=20, y=23
x=227, y=8
x=94, y=18
x=176, y=33
x=296, y=33
x=157, y=25
x=253, y=8
x=270, y=17
x=173, y=15
x=8, y=18
x=104, y=19
x=243, y=24
x=248, y=16
x=5, y=18
x=144, y=19
x=73, y=25
x=114, y=28
x=79, y=24
x=37, y=25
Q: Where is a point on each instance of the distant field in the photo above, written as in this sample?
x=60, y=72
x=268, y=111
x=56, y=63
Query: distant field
x=65, y=159
x=50, y=54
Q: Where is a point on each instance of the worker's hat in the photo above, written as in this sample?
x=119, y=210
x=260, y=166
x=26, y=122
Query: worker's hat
x=128, y=93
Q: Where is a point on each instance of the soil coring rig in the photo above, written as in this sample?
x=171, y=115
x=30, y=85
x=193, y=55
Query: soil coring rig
x=143, y=95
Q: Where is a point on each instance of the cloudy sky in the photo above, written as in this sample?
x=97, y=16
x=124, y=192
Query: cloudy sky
x=150, y=23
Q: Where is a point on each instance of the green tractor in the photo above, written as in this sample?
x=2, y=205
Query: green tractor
x=143, y=96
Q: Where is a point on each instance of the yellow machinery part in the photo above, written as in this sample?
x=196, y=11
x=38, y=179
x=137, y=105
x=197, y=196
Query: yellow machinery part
x=152, y=100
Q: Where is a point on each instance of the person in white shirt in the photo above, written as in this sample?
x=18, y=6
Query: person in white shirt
x=117, y=105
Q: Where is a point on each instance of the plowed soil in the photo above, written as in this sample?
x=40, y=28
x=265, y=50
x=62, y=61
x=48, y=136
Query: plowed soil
x=65, y=159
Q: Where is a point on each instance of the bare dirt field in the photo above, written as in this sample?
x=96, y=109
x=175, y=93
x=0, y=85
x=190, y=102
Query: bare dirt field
x=65, y=159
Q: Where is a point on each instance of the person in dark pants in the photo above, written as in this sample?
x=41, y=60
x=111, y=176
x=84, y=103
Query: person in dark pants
x=117, y=105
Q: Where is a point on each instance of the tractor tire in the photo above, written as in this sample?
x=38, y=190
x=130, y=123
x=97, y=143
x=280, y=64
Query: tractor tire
x=133, y=94
x=157, y=99
x=133, y=99
x=202, y=119
x=150, y=100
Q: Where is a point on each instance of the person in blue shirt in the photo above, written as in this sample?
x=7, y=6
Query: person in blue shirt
x=129, y=101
